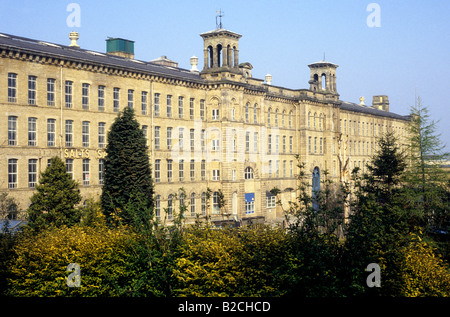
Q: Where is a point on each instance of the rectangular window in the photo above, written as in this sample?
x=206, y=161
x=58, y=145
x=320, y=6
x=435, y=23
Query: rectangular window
x=291, y=144
x=203, y=140
x=277, y=168
x=101, y=134
x=191, y=109
x=249, y=203
x=180, y=138
x=269, y=144
x=101, y=171
x=116, y=97
x=101, y=98
x=192, y=170
x=284, y=169
x=309, y=145
x=85, y=133
x=156, y=102
x=157, y=138
x=85, y=96
x=68, y=97
x=86, y=169
x=32, y=173
x=271, y=201
x=69, y=167
x=247, y=142
x=130, y=98
x=215, y=175
x=255, y=142
x=50, y=92
x=169, y=170
x=169, y=138
x=145, y=133
x=169, y=106
x=284, y=144
x=215, y=203
x=291, y=168
x=321, y=146
x=12, y=130
x=202, y=109
x=270, y=169
x=12, y=173
x=277, y=144
x=180, y=107
x=32, y=131
x=158, y=206
x=203, y=204
x=315, y=145
x=51, y=132
x=181, y=170
x=192, y=139
x=192, y=205
x=69, y=133
x=215, y=114
x=203, y=170
x=157, y=171
x=215, y=145
x=12, y=87
x=144, y=102
x=32, y=90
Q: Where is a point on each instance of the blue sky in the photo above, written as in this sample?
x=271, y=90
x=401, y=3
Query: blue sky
x=407, y=54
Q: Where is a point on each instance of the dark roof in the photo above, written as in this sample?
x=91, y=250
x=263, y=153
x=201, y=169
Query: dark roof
x=78, y=54
x=354, y=107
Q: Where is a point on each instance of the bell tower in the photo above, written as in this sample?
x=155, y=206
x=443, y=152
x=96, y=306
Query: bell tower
x=323, y=77
x=221, y=50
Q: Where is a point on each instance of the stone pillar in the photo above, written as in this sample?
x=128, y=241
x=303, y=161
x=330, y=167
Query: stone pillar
x=224, y=56
x=236, y=58
x=215, y=54
x=206, y=59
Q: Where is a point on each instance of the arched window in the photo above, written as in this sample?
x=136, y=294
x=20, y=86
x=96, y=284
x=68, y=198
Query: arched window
x=203, y=204
x=314, y=120
x=193, y=204
x=315, y=186
x=255, y=116
x=276, y=117
x=320, y=122
x=324, y=81
x=268, y=117
x=158, y=206
x=247, y=115
x=170, y=207
x=282, y=118
x=215, y=205
x=290, y=119
x=248, y=173
x=309, y=119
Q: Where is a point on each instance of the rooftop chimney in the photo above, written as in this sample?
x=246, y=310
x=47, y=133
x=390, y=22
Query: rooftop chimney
x=74, y=36
x=194, y=63
x=381, y=102
x=268, y=79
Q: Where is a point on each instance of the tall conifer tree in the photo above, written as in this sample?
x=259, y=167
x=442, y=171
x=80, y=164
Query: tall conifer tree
x=128, y=186
x=55, y=200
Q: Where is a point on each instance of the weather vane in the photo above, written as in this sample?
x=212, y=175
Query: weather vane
x=220, y=15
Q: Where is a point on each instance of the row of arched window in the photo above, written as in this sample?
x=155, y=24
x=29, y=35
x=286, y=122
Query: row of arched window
x=190, y=207
x=316, y=121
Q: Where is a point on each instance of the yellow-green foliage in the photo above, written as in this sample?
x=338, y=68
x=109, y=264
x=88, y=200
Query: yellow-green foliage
x=40, y=262
x=238, y=262
x=424, y=273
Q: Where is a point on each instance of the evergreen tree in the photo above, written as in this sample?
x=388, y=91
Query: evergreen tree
x=128, y=186
x=426, y=183
x=378, y=225
x=54, y=202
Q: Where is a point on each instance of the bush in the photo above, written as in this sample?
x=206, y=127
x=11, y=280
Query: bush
x=40, y=261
